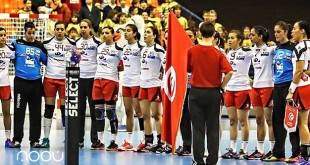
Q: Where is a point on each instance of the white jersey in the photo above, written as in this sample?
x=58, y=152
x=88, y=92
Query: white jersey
x=240, y=61
x=108, y=59
x=262, y=59
x=6, y=54
x=151, y=63
x=132, y=65
x=56, y=60
x=88, y=49
x=302, y=53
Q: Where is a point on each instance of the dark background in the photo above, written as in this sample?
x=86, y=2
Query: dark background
x=235, y=14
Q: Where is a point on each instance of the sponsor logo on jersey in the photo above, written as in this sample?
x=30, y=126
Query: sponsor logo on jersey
x=37, y=52
x=240, y=57
x=265, y=54
x=232, y=63
x=288, y=56
x=256, y=60
x=91, y=48
x=2, y=62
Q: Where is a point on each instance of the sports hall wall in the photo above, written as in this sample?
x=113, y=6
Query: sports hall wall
x=238, y=13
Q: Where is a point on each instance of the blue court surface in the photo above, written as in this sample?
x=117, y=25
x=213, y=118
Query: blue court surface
x=55, y=155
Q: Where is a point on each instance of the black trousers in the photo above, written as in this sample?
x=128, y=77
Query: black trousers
x=85, y=91
x=31, y=92
x=185, y=125
x=279, y=100
x=204, y=106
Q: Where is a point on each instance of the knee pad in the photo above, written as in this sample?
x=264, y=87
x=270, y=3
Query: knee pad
x=111, y=114
x=114, y=126
x=99, y=113
x=49, y=111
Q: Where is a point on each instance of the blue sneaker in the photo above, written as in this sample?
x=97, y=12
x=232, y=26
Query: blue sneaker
x=230, y=154
x=8, y=143
x=45, y=143
x=301, y=161
x=15, y=144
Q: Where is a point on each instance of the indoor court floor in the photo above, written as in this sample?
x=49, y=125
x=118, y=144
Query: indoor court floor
x=55, y=154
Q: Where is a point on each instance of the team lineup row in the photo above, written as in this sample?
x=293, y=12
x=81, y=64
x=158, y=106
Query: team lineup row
x=143, y=64
x=281, y=76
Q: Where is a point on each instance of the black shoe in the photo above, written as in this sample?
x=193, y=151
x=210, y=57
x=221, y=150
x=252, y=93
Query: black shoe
x=167, y=149
x=81, y=145
x=97, y=146
x=35, y=145
x=184, y=152
x=158, y=149
x=112, y=147
x=179, y=149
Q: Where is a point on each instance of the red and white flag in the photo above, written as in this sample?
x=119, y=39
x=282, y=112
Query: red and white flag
x=291, y=117
x=175, y=79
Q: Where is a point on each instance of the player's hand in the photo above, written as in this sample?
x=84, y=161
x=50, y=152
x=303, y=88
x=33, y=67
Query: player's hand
x=251, y=82
x=289, y=96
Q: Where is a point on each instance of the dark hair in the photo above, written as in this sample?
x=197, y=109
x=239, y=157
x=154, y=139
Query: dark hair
x=151, y=8
x=260, y=30
x=89, y=24
x=29, y=25
x=131, y=9
x=220, y=40
x=239, y=35
x=134, y=3
x=134, y=29
x=192, y=30
x=176, y=7
x=121, y=14
x=286, y=27
x=2, y=29
x=110, y=28
x=207, y=29
x=304, y=25
x=59, y=23
x=72, y=29
x=74, y=14
x=155, y=32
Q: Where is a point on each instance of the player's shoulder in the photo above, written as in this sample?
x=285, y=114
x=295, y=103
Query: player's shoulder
x=158, y=48
x=48, y=40
x=117, y=47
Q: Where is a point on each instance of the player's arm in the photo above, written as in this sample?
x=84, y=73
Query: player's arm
x=297, y=74
x=227, y=70
x=43, y=55
x=120, y=66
